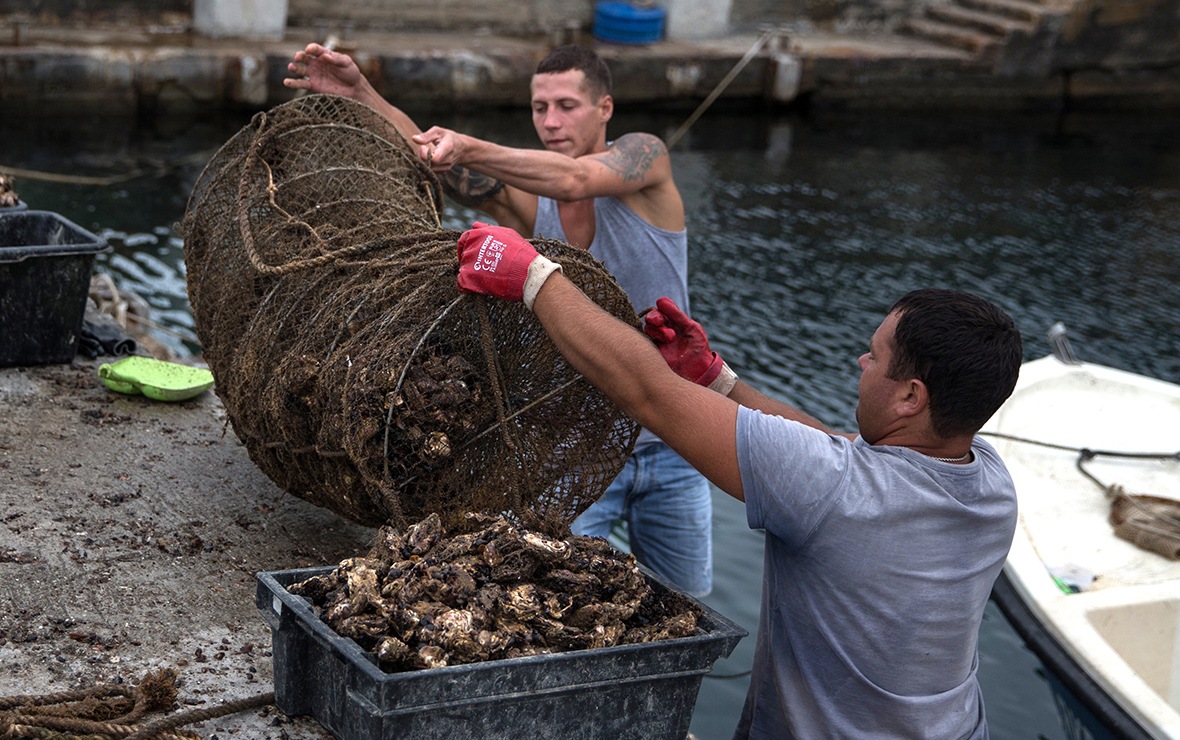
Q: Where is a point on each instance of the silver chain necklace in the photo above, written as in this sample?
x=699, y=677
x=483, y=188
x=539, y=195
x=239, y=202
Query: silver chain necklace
x=951, y=459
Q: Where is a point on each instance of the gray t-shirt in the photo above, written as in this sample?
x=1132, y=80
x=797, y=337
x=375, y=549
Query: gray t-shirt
x=649, y=262
x=879, y=562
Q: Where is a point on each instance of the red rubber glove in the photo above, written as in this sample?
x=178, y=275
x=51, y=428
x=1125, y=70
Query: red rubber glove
x=685, y=347
x=497, y=261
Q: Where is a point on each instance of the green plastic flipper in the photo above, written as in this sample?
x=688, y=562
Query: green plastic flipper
x=156, y=379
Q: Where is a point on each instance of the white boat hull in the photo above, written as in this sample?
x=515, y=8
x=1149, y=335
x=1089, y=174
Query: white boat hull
x=1123, y=631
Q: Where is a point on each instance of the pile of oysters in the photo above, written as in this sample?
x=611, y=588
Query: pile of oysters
x=487, y=590
x=8, y=196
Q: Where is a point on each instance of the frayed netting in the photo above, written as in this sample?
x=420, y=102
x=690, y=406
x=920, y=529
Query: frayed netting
x=355, y=372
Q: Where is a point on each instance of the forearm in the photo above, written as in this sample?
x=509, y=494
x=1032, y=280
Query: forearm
x=620, y=361
x=364, y=92
x=616, y=358
x=536, y=171
x=318, y=69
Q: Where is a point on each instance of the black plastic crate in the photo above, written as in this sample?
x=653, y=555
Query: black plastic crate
x=645, y=691
x=45, y=266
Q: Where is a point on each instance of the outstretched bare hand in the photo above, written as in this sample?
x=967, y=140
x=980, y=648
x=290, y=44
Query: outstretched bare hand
x=321, y=70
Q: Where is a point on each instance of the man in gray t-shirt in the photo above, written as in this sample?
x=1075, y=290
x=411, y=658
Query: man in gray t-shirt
x=882, y=546
x=879, y=561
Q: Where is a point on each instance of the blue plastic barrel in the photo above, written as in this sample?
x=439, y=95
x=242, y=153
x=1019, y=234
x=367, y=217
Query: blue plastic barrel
x=624, y=23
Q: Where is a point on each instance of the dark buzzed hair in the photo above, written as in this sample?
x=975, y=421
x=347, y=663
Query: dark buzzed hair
x=572, y=56
x=966, y=351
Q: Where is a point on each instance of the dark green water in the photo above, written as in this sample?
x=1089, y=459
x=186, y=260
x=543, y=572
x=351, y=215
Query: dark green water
x=802, y=233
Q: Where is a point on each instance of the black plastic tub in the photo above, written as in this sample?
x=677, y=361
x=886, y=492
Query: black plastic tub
x=645, y=691
x=45, y=266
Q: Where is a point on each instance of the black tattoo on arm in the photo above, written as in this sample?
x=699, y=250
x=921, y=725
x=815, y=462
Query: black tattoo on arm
x=469, y=188
x=634, y=154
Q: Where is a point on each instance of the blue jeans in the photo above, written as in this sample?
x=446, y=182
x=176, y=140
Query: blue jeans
x=668, y=509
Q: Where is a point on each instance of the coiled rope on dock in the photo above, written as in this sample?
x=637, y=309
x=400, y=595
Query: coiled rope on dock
x=110, y=712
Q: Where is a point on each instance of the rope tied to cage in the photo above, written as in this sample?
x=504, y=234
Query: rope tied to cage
x=489, y=353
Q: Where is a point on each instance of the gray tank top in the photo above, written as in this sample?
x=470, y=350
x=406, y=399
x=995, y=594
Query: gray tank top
x=648, y=262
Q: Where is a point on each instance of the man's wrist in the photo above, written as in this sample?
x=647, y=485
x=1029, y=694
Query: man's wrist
x=725, y=380
x=539, y=271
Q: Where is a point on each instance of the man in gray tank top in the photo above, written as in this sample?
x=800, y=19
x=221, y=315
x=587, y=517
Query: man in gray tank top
x=618, y=200
x=881, y=547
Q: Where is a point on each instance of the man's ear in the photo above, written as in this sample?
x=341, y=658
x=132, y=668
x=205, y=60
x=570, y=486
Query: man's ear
x=915, y=399
x=606, y=107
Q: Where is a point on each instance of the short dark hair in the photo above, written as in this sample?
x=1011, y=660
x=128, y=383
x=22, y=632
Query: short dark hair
x=572, y=56
x=966, y=351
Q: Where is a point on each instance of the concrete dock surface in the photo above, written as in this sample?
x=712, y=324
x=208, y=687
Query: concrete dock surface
x=132, y=532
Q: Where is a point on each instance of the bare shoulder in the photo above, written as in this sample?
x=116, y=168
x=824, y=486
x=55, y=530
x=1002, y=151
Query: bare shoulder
x=642, y=173
x=636, y=156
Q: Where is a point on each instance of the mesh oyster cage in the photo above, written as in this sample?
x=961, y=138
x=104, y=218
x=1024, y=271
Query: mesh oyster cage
x=360, y=379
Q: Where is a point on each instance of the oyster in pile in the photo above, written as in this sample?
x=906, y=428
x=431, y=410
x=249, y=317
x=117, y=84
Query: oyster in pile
x=8, y=196
x=425, y=598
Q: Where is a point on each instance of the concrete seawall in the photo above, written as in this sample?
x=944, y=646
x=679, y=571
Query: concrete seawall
x=149, y=71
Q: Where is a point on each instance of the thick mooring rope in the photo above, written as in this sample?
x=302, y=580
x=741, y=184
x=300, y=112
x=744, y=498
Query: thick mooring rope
x=100, y=713
x=201, y=715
